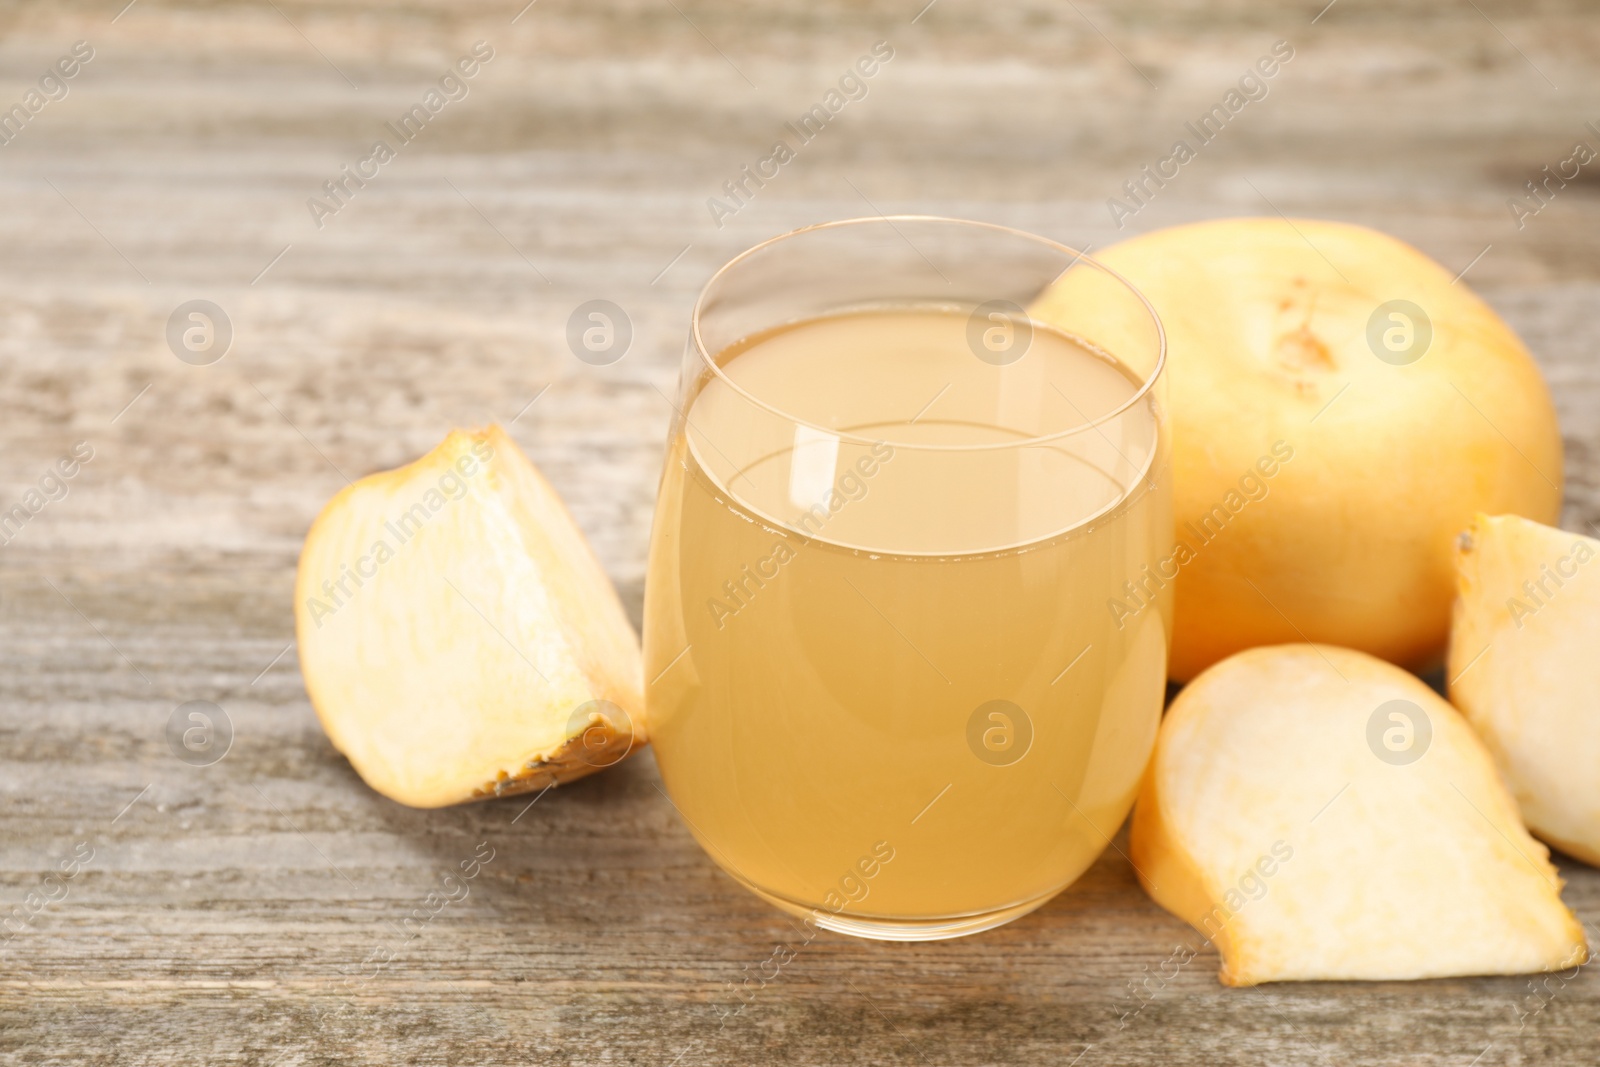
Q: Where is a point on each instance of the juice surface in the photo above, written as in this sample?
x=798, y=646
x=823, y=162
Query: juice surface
x=859, y=649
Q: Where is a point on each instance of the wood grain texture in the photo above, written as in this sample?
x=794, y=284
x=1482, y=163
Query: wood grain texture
x=230, y=913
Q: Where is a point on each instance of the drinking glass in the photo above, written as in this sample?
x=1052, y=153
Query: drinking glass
x=905, y=624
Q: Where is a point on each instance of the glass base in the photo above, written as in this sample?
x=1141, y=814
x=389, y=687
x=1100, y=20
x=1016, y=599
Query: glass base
x=877, y=928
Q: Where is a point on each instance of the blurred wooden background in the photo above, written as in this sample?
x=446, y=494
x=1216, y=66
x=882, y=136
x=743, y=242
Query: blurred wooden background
x=234, y=913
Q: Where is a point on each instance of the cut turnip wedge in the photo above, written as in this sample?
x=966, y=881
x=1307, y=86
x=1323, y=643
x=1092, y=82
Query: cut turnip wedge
x=1321, y=814
x=458, y=638
x=1524, y=669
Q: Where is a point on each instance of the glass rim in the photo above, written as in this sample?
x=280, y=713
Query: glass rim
x=1139, y=395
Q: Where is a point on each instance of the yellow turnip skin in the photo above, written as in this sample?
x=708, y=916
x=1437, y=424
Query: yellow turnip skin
x=1283, y=339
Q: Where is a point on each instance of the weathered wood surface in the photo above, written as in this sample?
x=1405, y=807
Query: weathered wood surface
x=227, y=911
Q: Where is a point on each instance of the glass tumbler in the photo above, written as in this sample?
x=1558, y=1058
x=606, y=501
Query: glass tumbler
x=905, y=636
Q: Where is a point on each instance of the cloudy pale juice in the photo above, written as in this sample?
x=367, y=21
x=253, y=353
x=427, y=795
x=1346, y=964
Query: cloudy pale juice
x=888, y=673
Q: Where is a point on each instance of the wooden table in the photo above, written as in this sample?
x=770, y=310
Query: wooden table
x=251, y=911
